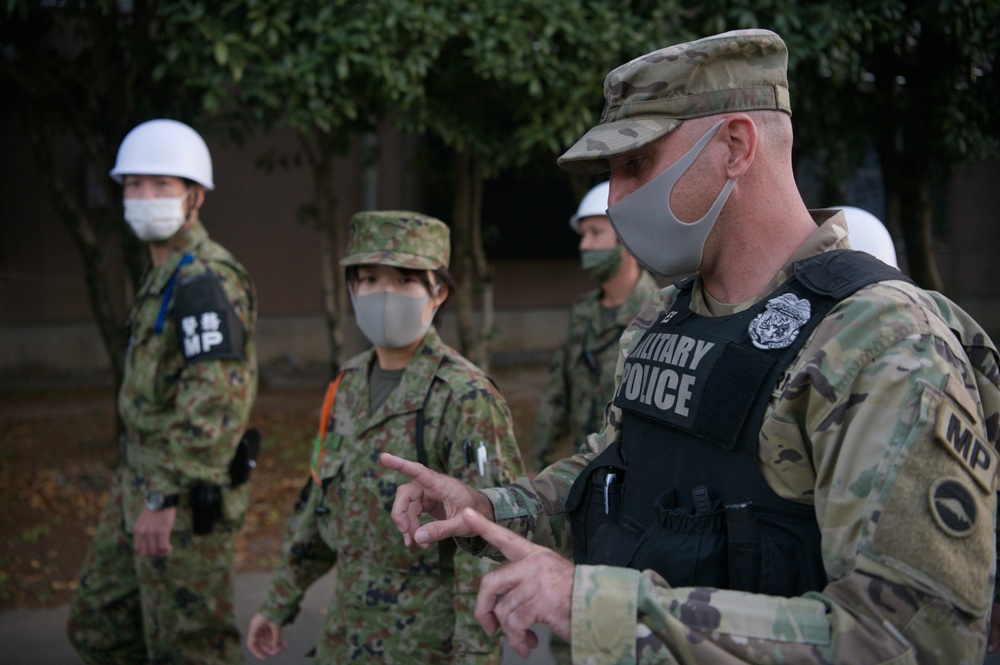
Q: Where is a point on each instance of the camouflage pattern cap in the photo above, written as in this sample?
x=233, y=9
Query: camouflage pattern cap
x=742, y=70
x=398, y=238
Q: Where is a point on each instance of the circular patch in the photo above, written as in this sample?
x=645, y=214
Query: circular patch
x=953, y=507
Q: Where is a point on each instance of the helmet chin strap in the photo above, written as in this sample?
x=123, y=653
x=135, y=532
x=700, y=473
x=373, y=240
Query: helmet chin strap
x=194, y=205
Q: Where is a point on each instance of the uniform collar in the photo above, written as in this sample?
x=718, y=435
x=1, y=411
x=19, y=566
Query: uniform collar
x=187, y=241
x=644, y=287
x=830, y=234
x=415, y=383
x=190, y=239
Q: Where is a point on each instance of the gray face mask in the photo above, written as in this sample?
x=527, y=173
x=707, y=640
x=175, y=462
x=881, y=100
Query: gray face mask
x=650, y=230
x=391, y=320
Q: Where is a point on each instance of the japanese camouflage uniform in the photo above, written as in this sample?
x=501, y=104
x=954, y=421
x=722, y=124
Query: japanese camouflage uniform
x=189, y=383
x=883, y=426
x=392, y=604
x=581, y=378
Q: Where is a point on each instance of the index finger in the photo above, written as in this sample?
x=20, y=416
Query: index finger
x=414, y=470
x=511, y=545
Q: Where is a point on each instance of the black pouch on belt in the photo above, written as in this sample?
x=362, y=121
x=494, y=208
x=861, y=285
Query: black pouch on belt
x=206, y=507
x=245, y=459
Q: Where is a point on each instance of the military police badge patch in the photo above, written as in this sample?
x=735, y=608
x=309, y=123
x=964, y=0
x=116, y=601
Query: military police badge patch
x=778, y=325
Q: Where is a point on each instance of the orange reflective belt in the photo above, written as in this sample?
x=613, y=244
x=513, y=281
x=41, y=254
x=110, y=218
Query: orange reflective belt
x=319, y=446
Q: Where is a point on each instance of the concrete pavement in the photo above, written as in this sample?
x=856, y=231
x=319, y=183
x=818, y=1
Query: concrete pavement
x=38, y=637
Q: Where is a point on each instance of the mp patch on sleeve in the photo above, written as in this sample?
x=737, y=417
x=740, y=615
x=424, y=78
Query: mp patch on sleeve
x=963, y=441
x=207, y=326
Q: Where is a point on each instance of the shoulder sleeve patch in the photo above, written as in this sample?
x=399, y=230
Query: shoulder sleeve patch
x=960, y=438
x=953, y=507
x=207, y=326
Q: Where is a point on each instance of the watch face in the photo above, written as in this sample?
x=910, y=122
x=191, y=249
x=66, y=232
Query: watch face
x=154, y=500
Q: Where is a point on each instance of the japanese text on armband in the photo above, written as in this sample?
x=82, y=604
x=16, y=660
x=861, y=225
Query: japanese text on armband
x=207, y=326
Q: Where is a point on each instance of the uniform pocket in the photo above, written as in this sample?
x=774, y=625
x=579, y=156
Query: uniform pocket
x=743, y=547
x=594, y=505
x=687, y=546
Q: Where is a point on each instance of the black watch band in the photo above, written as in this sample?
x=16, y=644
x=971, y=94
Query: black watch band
x=159, y=501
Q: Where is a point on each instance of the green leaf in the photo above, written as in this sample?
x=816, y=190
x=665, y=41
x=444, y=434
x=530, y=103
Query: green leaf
x=221, y=53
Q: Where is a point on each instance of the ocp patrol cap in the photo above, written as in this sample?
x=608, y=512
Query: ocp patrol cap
x=649, y=97
x=398, y=238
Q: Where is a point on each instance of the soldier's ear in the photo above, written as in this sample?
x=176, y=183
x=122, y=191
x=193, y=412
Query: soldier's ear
x=439, y=293
x=740, y=134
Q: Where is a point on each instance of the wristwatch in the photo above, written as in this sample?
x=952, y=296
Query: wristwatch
x=159, y=501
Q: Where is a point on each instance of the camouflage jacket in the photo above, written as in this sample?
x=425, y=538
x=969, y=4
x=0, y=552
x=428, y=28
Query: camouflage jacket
x=877, y=416
x=392, y=604
x=581, y=377
x=183, y=416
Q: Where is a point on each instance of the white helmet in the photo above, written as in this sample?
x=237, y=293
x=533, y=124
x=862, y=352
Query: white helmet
x=868, y=234
x=593, y=204
x=164, y=147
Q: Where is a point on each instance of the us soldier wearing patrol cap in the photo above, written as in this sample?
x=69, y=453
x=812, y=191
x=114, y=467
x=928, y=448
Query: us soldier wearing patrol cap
x=157, y=584
x=411, y=395
x=799, y=462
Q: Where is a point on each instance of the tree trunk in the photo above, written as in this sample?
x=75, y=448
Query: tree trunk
x=81, y=228
x=916, y=210
x=461, y=259
x=908, y=207
x=469, y=265
x=329, y=276
x=324, y=220
x=483, y=275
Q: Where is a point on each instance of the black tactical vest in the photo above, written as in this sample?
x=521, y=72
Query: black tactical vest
x=682, y=492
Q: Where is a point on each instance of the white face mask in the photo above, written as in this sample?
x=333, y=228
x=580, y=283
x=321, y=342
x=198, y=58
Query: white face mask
x=155, y=220
x=650, y=230
x=391, y=320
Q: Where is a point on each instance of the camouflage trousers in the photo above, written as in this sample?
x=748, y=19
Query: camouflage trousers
x=174, y=609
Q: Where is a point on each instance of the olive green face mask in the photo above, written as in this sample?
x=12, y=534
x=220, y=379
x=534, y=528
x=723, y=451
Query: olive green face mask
x=601, y=264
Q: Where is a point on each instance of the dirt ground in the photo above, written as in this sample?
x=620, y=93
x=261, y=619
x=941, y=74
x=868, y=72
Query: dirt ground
x=56, y=458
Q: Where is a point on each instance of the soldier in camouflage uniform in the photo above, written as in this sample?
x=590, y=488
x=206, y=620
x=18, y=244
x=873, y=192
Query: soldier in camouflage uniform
x=582, y=373
x=154, y=588
x=843, y=514
x=410, y=395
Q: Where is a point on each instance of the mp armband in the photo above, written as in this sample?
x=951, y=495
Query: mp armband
x=207, y=326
